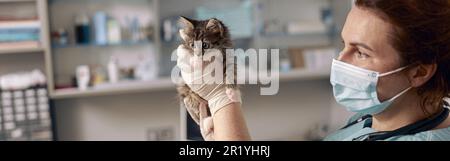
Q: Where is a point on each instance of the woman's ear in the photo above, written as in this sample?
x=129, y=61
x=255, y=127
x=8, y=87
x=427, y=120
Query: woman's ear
x=420, y=74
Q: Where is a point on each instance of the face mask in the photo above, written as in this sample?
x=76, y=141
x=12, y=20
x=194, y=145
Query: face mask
x=356, y=88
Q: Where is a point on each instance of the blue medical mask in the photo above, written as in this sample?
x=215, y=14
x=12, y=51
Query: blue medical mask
x=356, y=88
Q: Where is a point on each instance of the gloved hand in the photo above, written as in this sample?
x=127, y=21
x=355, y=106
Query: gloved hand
x=206, y=123
x=197, y=75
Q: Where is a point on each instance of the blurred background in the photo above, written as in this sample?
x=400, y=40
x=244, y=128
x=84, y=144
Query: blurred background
x=100, y=69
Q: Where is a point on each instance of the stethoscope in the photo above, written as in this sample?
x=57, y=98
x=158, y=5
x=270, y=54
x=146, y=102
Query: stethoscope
x=417, y=127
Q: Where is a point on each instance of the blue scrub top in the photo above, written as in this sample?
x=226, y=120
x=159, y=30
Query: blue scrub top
x=358, y=129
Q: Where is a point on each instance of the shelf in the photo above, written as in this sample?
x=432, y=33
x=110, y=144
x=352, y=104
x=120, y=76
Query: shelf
x=299, y=75
x=116, y=88
x=167, y=84
x=295, y=40
x=300, y=35
x=13, y=1
x=304, y=74
x=21, y=50
x=125, y=43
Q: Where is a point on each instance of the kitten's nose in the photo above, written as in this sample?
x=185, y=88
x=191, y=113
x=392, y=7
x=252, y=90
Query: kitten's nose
x=199, y=54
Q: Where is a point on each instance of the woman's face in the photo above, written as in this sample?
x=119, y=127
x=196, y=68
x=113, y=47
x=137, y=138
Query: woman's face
x=367, y=45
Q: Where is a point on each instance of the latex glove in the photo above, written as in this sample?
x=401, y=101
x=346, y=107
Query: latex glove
x=197, y=75
x=206, y=123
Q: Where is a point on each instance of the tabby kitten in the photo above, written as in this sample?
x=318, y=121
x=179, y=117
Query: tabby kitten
x=214, y=35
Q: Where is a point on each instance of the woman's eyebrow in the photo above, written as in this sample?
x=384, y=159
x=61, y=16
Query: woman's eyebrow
x=361, y=45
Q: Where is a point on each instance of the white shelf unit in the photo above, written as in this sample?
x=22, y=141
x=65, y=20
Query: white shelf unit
x=116, y=88
x=26, y=57
x=23, y=53
x=166, y=84
x=21, y=50
x=304, y=74
x=9, y=1
x=61, y=15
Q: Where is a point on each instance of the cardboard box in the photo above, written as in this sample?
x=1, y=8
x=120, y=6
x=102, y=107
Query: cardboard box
x=297, y=58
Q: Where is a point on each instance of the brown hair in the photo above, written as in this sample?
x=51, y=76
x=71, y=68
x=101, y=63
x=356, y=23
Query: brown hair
x=422, y=36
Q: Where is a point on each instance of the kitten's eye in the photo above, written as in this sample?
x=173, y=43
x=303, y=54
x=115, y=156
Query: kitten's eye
x=192, y=45
x=205, y=46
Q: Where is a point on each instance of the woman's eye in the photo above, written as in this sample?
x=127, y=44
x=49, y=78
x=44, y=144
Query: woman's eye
x=205, y=46
x=361, y=55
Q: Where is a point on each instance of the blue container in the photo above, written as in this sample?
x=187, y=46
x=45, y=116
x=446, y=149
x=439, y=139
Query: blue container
x=83, y=33
x=82, y=29
x=100, y=19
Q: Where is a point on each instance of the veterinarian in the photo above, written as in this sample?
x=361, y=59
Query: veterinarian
x=393, y=72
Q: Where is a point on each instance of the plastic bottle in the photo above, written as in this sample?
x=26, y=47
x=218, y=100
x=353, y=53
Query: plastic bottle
x=113, y=70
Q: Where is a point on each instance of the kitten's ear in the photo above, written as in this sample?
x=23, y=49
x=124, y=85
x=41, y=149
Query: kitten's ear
x=183, y=34
x=186, y=22
x=214, y=26
x=188, y=25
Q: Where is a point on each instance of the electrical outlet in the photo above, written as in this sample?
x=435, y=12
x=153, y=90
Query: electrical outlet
x=160, y=134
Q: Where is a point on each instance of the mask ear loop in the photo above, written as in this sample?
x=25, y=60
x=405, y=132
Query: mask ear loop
x=394, y=71
x=401, y=93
